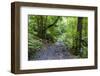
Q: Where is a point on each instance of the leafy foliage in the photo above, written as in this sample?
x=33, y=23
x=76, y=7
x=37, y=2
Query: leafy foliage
x=44, y=30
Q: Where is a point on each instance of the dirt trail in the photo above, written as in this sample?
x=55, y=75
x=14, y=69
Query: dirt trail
x=54, y=51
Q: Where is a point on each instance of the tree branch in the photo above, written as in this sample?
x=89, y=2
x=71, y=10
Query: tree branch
x=53, y=23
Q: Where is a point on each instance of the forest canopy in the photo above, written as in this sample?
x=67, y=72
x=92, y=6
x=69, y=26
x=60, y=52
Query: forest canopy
x=71, y=31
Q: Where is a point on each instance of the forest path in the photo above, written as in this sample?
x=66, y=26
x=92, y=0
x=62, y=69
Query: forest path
x=54, y=51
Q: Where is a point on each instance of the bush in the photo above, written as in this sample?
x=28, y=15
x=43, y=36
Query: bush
x=34, y=44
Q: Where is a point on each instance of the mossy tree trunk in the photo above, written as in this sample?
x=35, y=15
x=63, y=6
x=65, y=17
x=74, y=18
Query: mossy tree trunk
x=79, y=36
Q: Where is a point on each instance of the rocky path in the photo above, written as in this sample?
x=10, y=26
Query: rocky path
x=54, y=51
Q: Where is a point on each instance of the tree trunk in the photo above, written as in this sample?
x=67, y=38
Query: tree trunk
x=79, y=36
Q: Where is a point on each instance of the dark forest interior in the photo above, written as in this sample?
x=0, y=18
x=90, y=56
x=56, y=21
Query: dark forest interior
x=57, y=37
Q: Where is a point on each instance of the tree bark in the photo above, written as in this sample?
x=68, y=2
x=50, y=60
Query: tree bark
x=79, y=38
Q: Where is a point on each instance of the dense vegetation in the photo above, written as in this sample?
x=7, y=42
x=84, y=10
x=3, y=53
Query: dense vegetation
x=70, y=30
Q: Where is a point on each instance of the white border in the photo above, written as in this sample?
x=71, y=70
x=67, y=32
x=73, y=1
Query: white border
x=25, y=64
